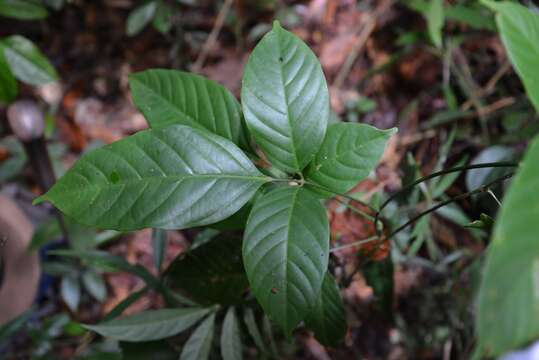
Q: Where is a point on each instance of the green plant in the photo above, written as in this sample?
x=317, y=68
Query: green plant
x=157, y=12
x=198, y=165
x=21, y=59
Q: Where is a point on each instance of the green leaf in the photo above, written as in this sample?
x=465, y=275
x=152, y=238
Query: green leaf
x=124, y=304
x=167, y=97
x=285, y=99
x=509, y=294
x=8, y=83
x=154, y=350
x=94, y=284
x=327, y=318
x=171, y=178
x=159, y=241
x=435, y=21
x=519, y=30
x=231, y=346
x=285, y=252
x=109, y=262
x=162, y=20
x=199, y=344
x=252, y=328
x=23, y=9
x=347, y=155
x=139, y=17
x=27, y=63
x=70, y=292
x=150, y=325
x=210, y=273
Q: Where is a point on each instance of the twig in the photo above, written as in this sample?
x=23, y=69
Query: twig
x=433, y=175
x=354, y=244
x=363, y=36
x=491, y=84
x=212, y=38
x=482, y=189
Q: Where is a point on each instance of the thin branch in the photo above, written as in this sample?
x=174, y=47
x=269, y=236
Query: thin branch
x=343, y=195
x=482, y=189
x=354, y=244
x=212, y=38
x=433, y=175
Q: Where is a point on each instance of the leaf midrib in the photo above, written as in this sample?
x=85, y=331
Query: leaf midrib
x=293, y=202
x=292, y=137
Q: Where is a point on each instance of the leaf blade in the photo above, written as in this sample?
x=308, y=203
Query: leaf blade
x=327, y=318
x=199, y=344
x=285, y=99
x=27, y=62
x=150, y=325
x=285, y=252
x=347, y=155
x=169, y=178
x=231, y=346
x=508, y=300
x=168, y=97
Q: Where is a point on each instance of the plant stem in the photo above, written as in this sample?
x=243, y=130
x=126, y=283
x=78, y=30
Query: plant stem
x=436, y=174
x=343, y=195
x=356, y=210
x=482, y=189
x=354, y=244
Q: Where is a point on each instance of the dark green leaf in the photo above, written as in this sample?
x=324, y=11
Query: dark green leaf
x=154, y=350
x=327, y=318
x=285, y=99
x=23, y=9
x=379, y=276
x=27, y=63
x=519, y=29
x=70, y=291
x=140, y=17
x=159, y=240
x=124, y=304
x=199, y=344
x=171, y=178
x=8, y=83
x=252, y=328
x=108, y=262
x=231, y=346
x=94, y=284
x=210, y=273
x=508, y=302
x=150, y=325
x=348, y=154
x=167, y=97
x=285, y=251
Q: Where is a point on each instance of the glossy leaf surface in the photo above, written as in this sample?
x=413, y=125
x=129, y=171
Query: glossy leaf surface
x=231, y=346
x=150, y=325
x=211, y=273
x=508, y=303
x=519, y=30
x=170, y=178
x=27, y=62
x=199, y=344
x=285, y=99
x=348, y=154
x=285, y=252
x=327, y=319
x=168, y=97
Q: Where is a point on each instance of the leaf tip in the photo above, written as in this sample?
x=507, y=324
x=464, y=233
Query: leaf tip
x=276, y=25
x=40, y=199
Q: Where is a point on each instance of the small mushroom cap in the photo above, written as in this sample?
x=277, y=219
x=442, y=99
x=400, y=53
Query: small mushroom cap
x=26, y=120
